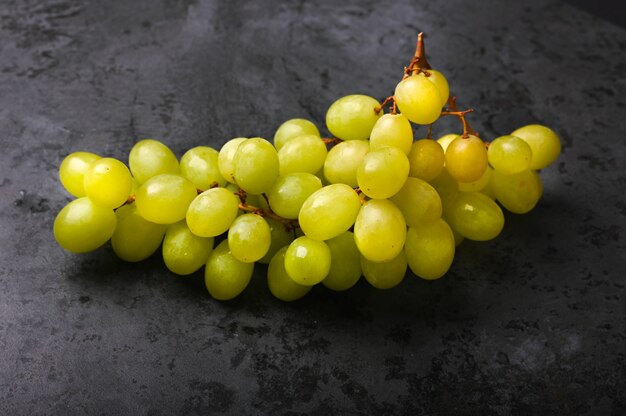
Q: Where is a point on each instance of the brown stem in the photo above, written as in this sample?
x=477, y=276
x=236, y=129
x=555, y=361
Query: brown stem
x=288, y=224
x=390, y=99
x=418, y=62
x=467, y=130
x=331, y=140
x=430, y=129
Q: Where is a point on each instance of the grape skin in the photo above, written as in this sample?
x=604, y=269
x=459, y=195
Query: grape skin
x=183, y=251
x=280, y=284
x=379, y=230
x=72, y=171
x=353, y=117
x=307, y=261
x=293, y=128
x=83, y=226
x=135, y=238
x=149, y=158
x=164, y=198
x=225, y=277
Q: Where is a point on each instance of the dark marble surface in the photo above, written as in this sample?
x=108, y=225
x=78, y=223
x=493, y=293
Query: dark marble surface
x=531, y=323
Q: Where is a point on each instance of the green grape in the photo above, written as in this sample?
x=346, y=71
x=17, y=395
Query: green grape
x=382, y=172
x=430, y=249
x=343, y=160
x=307, y=261
x=475, y=216
x=149, y=158
x=212, y=212
x=458, y=238
x=466, y=158
x=426, y=159
x=329, y=211
x=83, y=226
x=509, y=155
x=135, y=239
x=164, y=198
x=302, y=154
x=392, y=130
x=256, y=165
x=418, y=201
x=385, y=274
x=281, y=285
x=226, y=277
x=281, y=236
x=226, y=157
x=379, y=230
x=418, y=99
x=352, y=117
x=478, y=185
x=199, y=165
x=72, y=171
x=290, y=191
x=108, y=182
x=249, y=238
x=544, y=143
x=441, y=83
x=517, y=193
x=445, y=185
x=345, y=264
x=183, y=251
x=445, y=141
x=293, y=128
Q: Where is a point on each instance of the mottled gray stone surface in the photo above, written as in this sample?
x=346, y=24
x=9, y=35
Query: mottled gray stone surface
x=531, y=323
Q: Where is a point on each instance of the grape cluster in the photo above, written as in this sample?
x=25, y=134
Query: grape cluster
x=370, y=201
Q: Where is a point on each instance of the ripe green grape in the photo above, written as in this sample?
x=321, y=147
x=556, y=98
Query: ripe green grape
x=164, y=198
x=426, y=159
x=200, y=166
x=108, y=182
x=418, y=99
x=343, y=160
x=430, y=249
x=293, y=128
x=72, y=171
x=517, y=193
x=418, y=201
x=475, y=216
x=392, y=130
x=281, y=236
x=226, y=157
x=441, y=83
x=249, y=238
x=345, y=264
x=290, y=191
x=478, y=185
x=256, y=165
x=382, y=172
x=544, y=143
x=212, y=212
x=329, y=211
x=466, y=158
x=509, y=155
x=445, y=141
x=281, y=285
x=445, y=185
x=149, y=158
x=226, y=277
x=379, y=230
x=352, y=117
x=135, y=238
x=307, y=261
x=302, y=154
x=83, y=226
x=183, y=251
x=385, y=274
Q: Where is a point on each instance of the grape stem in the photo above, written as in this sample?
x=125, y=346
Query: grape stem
x=331, y=140
x=242, y=195
x=391, y=99
x=418, y=62
x=453, y=110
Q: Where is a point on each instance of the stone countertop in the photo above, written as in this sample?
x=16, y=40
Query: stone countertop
x=533, y=322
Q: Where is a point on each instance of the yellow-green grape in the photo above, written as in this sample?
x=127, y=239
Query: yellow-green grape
x=445, y=141
x=488, y=188
x=290, y=191
x=293, y=128
x=226, y=277
x=430, y=249
x=385, y=274
x=307, y=261
x=392, y=130
x=135, y=238
x=256, y=165
x=458, y=238
x=164, y=198
x=466, y=158
x=249, y=238
x=72, y=171
x=418, y=201
x=343, y=160
x=226, y=157
x=509, y=155
x=441, y=83
x=418, y=99
x=382, y=172
x=445, y=185
x=108, y=182
x=183, y=251
x=329, y=211
x=475, y=216
x=212, y=212
x=379, y=230
x=345, y=264
x=282, y=236
x=281, y=285
x=544, y=143
x=199, y=165
x=302, y=154
x=352, y=117
x=478, y=185
x=83, y=226
x=149, y=158
x=426, y=159
x=517, y=193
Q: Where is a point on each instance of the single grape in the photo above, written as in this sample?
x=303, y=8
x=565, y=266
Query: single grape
x=226, y=277
x=302, y=154
x=386, y=274
x=343, y=160
x=445, y=185
x=83, y=226
x=212, y=212
x=426, y=159
x=200, y=166
x=329, y=211
x=445, y=140
x=290, y=191
x=307, y=261
x=226, y=157
x=293, y=128
x=282, y=236
x=249, y=238
x=379, y=230
x=466, y=158
x=108, y=182
x=544, y=143
x=478, y=185
x=475, y=216
x=256, y=165
x=441, y=83
x=509, y=155
x=183, y=251
x=418, y=99
x=418, y=201
x=149, y=158
x=392, y=130
x=345, y=264
x=281, y=285
x=135, y=238
x=164, y=198
x=72, y=171
x=430, y=249
x=517, y=193
x=352, y=117
x=382, y=172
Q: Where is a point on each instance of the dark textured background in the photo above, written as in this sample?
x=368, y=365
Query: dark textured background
x=531, y=323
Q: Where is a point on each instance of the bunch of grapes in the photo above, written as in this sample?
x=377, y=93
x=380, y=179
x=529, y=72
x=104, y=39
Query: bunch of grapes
x=370, y=201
